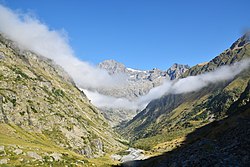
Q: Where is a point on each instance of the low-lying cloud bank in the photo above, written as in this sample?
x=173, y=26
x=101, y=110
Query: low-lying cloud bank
x=101, y=101
x=33, y=35
x=185, y=85
x=194, y=83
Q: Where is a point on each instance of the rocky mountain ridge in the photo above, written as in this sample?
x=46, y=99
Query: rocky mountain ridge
x=177, y=70
x=140, y=81
x=235, y=53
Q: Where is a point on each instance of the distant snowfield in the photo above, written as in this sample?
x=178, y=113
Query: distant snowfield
x=133, y=70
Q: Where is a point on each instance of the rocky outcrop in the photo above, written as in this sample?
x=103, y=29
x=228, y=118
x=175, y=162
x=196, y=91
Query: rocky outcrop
x=113, y=67
x=4, y=161
x=34, y=155
x=176, y=70
x=241, y=42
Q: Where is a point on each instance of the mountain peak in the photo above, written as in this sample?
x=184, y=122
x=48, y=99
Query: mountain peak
x=246, y=36
x=176, y=70
x=245, y=39
x=112, y=66
x=111, y=61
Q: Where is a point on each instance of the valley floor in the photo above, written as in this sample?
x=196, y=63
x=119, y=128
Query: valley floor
x=220, y=143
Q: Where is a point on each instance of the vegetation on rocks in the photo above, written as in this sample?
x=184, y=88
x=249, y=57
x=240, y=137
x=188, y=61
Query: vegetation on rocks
x=42, y=111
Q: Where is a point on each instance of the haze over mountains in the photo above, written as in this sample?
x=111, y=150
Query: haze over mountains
x=184, y=116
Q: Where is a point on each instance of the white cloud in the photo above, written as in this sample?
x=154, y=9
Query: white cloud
x=194, y=83
x=31, y=34
x=108, y=101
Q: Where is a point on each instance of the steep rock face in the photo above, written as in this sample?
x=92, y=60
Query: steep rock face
x=241, y=42
x=177, y=70
x=174, y=116
x=38, y=97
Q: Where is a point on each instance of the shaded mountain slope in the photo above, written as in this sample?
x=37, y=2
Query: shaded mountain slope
x=220, y=143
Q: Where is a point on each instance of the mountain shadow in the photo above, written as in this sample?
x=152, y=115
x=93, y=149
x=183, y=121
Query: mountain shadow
x=221, y=143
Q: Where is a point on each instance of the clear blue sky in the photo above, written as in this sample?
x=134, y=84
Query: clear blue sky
x=144, y=34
